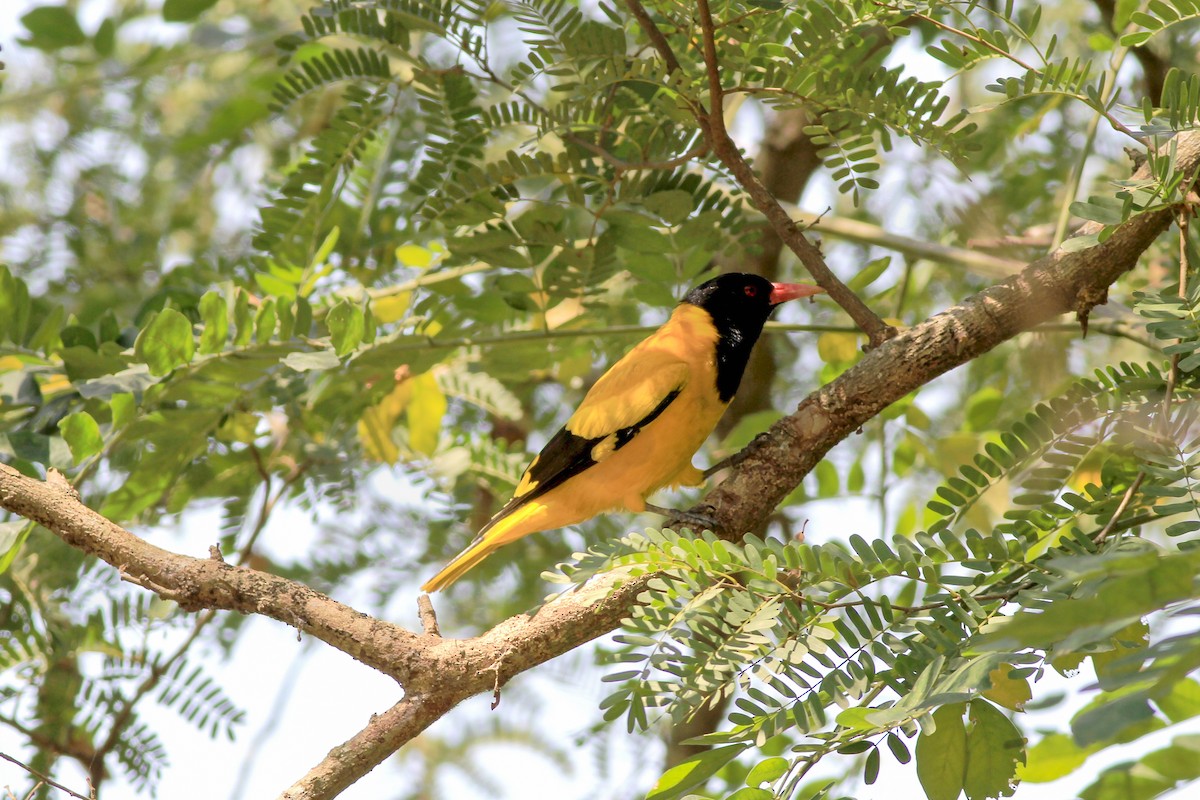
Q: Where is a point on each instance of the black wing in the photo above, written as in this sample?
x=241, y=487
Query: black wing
x=566, y=455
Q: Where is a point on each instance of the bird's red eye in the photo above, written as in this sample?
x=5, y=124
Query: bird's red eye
x=751, y=291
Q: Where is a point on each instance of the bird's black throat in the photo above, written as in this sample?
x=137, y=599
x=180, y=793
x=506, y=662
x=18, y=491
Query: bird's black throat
x=739, y=306
x=735, y=341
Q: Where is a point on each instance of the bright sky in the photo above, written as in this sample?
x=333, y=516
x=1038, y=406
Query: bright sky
x=333, y=696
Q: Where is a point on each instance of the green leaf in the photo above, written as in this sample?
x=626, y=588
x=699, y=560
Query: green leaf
x=1178, y=762
x=317, y=359
x=124, y=409
x=1080, y=621
x=346, y=325
x=12, y=536
x=275, y=286
x=82, y=435
x=1126, y=782
x=673, y=205
x=942, y=754
x=1105, y=213
x=166, y=342
x=264, y=322
x=766, y=771
x=53, y=27
x=215, y=315
x=1108, y=719
x=14, y=306
x=869, y=273
x=983, y=408
x=1076, y=243
x=751, y=793
x=680, y=779
x=327, y=244
x=1182, y=702
x=994, y=748
x=871, y=767
x=105, y=39
x=243, y=319
x=185, y=10
x=1053, y=757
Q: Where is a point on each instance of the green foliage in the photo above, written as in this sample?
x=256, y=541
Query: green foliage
x=788, y=631
x=465, y=210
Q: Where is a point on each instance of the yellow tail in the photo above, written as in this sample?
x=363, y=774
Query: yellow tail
x=497, y=533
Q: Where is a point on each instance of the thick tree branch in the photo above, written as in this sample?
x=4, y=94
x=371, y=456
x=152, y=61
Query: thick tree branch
x=437, y=673
x=1059, y=283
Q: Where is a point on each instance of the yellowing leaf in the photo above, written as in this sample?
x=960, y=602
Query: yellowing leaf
x=425, y=411
x=239, y=427
x=55, y=384
x=1006, y=690
x=413, y=255
x=375, y=425
x=837, y=347
x=392, y=307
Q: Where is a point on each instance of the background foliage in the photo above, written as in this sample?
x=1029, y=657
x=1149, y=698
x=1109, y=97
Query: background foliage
x=257, y=254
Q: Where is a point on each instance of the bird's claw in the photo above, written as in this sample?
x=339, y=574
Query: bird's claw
x=738, y=457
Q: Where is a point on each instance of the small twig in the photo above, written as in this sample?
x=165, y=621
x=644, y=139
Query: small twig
x=628, y=166
x=1173, y=375
x=723, y=146
x=1124, y=504
x=47, y=780
x=428, y=616
x=654, y=35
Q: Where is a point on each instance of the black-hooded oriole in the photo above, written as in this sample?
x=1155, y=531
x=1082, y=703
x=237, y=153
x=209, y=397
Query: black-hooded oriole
x=639, y=426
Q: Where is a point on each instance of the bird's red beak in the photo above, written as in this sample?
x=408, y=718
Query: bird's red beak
x=782, y=292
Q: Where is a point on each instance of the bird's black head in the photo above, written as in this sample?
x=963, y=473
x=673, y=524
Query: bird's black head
x=739, y=305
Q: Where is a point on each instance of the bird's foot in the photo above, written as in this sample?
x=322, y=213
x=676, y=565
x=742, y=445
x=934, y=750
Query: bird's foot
x=677, y=518
x=736, y=458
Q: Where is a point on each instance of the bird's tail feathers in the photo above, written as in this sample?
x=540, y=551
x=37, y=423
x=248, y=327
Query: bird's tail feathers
x=502, y=529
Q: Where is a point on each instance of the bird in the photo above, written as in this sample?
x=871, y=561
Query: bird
x=637, y=428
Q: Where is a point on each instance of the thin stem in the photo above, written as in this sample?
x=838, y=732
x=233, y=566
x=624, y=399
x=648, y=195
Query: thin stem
x=1173, y=375
x=1124, y=504
x=47, y=780
x=723, y=146
x=655, y=36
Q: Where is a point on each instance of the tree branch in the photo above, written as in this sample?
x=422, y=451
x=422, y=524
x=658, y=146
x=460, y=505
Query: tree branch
x=1056, y=284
